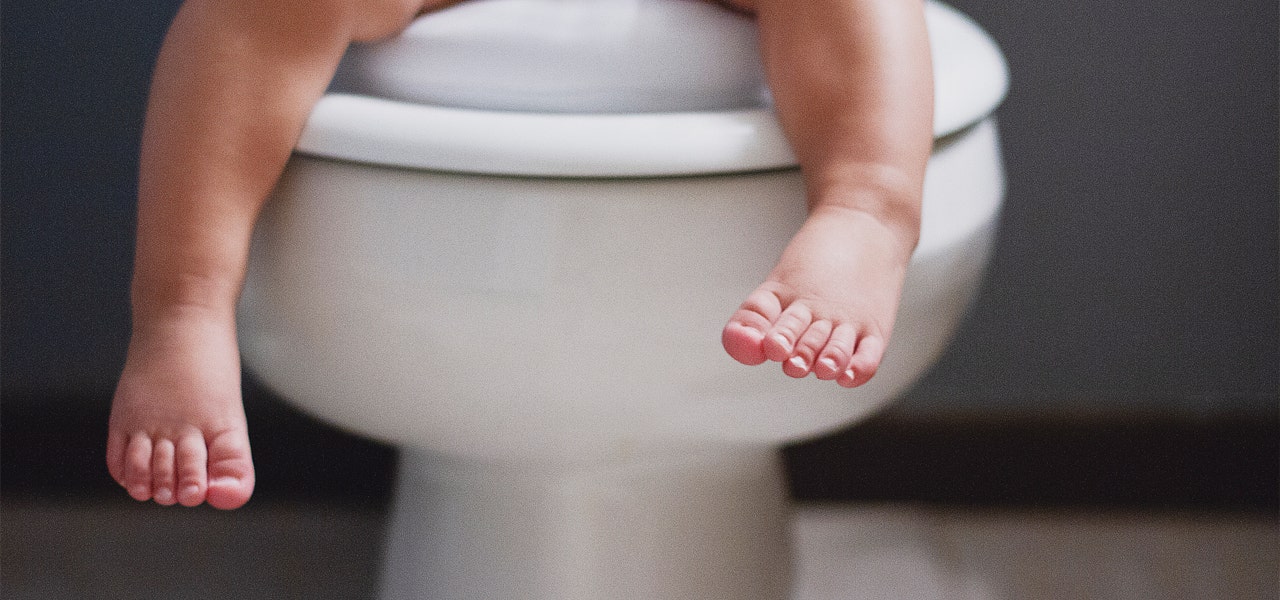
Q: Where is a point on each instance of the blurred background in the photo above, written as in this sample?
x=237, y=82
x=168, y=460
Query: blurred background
x=1117, y=379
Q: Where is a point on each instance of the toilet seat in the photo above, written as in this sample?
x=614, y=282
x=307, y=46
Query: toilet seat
x=567, y=56
x=402, y=134
x=970, y=75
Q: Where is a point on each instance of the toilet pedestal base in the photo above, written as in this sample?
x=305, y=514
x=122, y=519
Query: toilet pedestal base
x=711, y=526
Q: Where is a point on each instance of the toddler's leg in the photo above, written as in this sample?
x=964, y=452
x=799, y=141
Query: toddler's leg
x=232, y=89
x=852, y=84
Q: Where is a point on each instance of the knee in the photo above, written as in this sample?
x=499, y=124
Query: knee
x=383, y=18
x=353, y=20
x=371, y=20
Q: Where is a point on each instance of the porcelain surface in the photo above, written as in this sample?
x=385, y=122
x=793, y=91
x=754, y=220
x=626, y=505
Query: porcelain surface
x=384, y=113
x=550, y=287
x=564, y=320
x=615, y=56
x=529, y=303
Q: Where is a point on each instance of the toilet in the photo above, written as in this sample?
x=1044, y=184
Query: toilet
x=507, y=243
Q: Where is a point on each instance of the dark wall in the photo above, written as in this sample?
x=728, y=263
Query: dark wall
x=1136, y=270
x=73, y=83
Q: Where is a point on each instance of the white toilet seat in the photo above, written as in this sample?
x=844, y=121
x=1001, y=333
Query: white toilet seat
x=402, y=134
x=971, y=79
x=567, y=56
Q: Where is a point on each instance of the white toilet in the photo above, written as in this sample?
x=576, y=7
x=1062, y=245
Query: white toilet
x=508, y=242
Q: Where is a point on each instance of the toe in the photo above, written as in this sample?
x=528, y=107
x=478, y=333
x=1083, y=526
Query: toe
x=162, y=473
x=231, y=477
x=835, y=356
x=192, y=476
x=742, y=342
x=849, y=378
x=743, y=335
x=864, y=363
x=806, y=349
x=137, y=467
x=780, y=341
x=797, y=366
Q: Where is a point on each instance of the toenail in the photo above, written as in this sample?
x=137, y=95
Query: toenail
x=798, y=362
x=163, y=495
x=781, y=339
x=191, y=490
x=829, y=364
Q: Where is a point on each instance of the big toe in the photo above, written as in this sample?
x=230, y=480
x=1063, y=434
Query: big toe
x=229, y=492
x=743, y=337
x=743, y=342
x=231, y=476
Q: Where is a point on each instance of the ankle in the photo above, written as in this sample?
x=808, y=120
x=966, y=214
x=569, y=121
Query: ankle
x=168, y=323
x=886, y=196
x=903, y=230
x=179, y=299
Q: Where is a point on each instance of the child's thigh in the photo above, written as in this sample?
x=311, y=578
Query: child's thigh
x=735, y=5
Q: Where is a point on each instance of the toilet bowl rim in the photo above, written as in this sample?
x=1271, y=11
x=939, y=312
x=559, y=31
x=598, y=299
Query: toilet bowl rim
x=419, y=136
x=971, y=80
x=400, y=134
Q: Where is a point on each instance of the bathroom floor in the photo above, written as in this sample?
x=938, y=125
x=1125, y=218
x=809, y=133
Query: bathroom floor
x=280, y=549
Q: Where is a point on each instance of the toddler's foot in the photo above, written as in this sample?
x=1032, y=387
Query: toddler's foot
x=177, y=431
x=828, y=307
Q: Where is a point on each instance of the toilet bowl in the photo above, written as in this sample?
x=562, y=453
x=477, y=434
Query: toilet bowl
x=526, y=296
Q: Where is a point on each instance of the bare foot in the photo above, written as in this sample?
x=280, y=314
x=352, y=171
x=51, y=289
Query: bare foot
x=828, y=306
x=177, y=431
